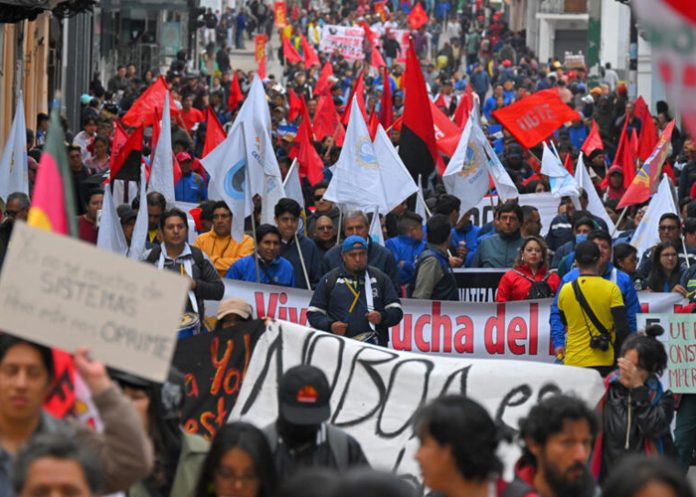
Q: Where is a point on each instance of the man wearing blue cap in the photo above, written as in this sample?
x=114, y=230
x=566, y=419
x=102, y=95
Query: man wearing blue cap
x=354, y=298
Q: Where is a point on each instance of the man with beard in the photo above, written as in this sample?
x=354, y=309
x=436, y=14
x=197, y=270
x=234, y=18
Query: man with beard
x=301, y=436
x=558, y=435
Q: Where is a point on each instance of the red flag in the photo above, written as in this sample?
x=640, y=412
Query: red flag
x=327, y=121
x=323, y=85
x=593, y=141
x=534, y=118
x=417, y=145
x=417, y=17
x=645, y=182
x=289, y=53
x=447, y=133
x=311, y=165
x=627, y=157
x=466, y=103
x=294, y=105
x=119, y=139
x=372, y=125
x=236, y=95
x=648, y=131
x=214, y=134
x=359, y=90
x=310, y=56
x=568, y=164
x=281, y=14
x=128, y=161
x=260, y=54
x=144, y=110
x=386, y=111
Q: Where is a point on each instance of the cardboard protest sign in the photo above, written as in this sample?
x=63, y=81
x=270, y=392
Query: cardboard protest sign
x=680, y=342
x=376, y=391
x=64, y=293
x=214, y=365
x=480, y=330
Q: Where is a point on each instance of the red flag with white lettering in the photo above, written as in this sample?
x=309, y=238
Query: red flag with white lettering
x=536, y=117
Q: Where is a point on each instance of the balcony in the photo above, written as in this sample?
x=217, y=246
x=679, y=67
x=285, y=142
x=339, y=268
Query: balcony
x=563, y=7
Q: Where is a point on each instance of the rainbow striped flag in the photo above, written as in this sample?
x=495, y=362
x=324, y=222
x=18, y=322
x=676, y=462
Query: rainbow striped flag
x=53, y=200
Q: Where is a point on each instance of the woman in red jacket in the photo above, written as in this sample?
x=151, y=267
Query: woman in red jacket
x=530, y=278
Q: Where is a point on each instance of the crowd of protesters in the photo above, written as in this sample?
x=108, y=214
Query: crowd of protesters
x=591, y=272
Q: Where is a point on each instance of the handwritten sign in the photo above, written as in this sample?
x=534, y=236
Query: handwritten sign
x=214, y=365
x=64, y=293
x=680, y=341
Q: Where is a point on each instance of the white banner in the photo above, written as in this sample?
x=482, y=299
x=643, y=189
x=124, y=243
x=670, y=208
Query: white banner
x=348, y=41
x=516, y=330
x=376, y=391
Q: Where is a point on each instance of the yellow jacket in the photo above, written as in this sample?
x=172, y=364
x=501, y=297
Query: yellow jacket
x=223, y=250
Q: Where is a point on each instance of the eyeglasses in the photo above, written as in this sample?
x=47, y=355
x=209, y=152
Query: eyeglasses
x=667, y=227
x=325, y=228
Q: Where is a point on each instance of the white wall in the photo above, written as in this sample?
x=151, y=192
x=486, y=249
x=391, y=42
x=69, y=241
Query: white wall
x=616, y=23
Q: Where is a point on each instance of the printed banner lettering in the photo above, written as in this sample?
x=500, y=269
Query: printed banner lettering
x=260, y=46
x=348, y=41
x=376, y=391
x=514, y=330
x=281, y=16
x=478, y=285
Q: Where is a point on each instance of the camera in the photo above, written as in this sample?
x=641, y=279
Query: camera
x=599, y=342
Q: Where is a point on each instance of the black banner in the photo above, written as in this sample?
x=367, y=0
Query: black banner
x=214, y=365
x=478, y=285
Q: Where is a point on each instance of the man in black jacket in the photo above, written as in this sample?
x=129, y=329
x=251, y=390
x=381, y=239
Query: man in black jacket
x=356, y=223
x=434, y=279
x=175, y=254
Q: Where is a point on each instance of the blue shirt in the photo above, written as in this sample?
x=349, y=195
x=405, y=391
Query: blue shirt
x=279, y=272
x=191, y=188
x=468, y=234
x=407, y=249
x=628, y=291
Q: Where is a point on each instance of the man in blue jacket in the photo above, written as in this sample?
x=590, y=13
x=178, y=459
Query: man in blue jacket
x=273, y=269
x=408, y=245
x=191, y=186
x=603, y=240
x=355, y=298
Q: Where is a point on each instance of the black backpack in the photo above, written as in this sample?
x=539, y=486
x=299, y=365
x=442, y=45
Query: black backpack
x=540, y=289
x=198, y=257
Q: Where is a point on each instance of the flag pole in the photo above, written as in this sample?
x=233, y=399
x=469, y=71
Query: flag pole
x=256, y=246
x=304, y=267
x=618, y=222
x=340, y=225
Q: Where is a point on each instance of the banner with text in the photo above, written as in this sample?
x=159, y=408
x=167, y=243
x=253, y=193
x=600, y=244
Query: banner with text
x=545, y=202
x=348, y=41
x=214, y=365
x=376, y=391
x=514, y=330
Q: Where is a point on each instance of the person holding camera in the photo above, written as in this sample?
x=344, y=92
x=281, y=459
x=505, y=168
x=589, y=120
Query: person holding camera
x=592, y=310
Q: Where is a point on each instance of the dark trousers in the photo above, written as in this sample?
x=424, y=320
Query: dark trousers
x=685, y=430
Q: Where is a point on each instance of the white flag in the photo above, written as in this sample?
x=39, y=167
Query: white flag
x=14, y=170
x=421, y=207
x=356, y=182
x=292, y=185
x=162, y=172
x=594, y=203
x=397, y=183
x=647, y=234
x=228, y=168
x=562, y=183
x=376, y=233
x=466, y=176
x=263, y=170
x=137, y=246
x=110, y=236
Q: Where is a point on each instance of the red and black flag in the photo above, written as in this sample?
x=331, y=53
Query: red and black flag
x=417, y=145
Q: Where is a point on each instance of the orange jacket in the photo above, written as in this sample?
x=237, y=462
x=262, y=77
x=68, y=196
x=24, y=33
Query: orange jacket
x=223, y=250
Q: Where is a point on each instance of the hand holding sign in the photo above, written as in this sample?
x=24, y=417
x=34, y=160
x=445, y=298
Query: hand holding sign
x=93, y=372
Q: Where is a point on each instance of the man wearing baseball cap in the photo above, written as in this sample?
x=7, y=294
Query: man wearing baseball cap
x=354, y=298
x=301, y=436
x=191, y=187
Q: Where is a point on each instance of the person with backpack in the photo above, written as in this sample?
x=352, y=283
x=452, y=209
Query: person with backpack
x=433, y=278
x=355, y=299
x=175, y=254
x=301, y=437
x=530, y=278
